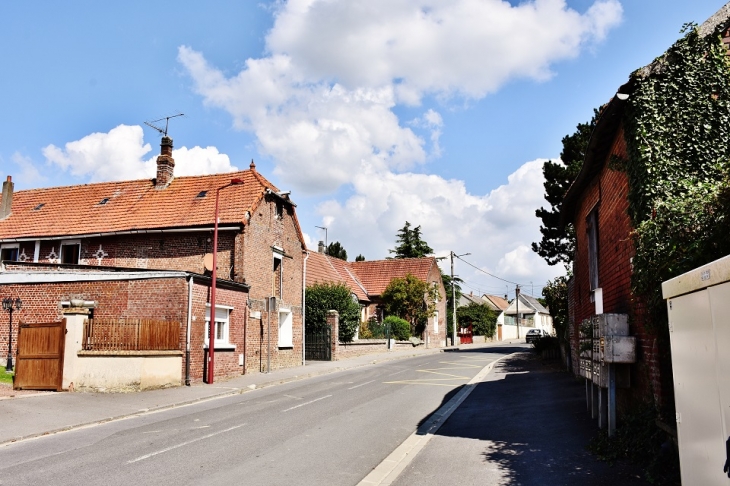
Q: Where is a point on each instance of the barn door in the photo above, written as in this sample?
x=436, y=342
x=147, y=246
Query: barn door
x=39, y=363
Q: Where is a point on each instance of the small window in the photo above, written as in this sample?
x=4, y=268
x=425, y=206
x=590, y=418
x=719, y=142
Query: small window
x=38, y=208
x=9, y=253
x=202, y=194
x=222, y=325
x=436, y=322
x=286, y=334
x=592, y=230
x=277, y=277
x=70, y=252
x=279, y=209
x=103, y=201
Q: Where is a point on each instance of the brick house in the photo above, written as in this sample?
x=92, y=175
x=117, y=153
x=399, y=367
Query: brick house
x=165, y=223
x=368, y=279
x=597, y=206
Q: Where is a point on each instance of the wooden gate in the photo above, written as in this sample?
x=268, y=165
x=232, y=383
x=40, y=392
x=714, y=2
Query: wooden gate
x=39, y=362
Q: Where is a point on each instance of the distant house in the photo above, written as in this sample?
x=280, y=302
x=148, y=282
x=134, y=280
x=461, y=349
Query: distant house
x=495, y=302
x=531, y=314
x=368, y=280
x=470, y=298
x=91, y=232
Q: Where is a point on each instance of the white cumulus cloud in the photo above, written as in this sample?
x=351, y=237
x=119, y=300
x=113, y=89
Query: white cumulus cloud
x=120, y=155
x=321, y=100
x=496, y=228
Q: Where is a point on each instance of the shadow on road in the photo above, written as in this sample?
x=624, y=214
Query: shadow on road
x=533, y=427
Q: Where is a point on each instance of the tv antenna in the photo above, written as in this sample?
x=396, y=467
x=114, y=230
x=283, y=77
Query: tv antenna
x=167, y=122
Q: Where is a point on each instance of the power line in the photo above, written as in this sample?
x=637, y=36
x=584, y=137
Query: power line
x=484, y=271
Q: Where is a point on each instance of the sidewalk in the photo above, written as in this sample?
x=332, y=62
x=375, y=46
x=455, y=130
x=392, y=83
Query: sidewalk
x=26, y=414
x=526, y=423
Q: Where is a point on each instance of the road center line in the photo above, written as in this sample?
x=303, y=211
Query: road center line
x=307, y=403
x=167, y=449
x=361, y=384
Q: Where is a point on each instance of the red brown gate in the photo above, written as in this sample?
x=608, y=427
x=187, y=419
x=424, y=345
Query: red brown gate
x=465, y=335
x=39, y=362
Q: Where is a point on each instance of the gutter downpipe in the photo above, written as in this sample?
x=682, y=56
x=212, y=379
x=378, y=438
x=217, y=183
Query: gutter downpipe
x=304, y=307
x=187, y=335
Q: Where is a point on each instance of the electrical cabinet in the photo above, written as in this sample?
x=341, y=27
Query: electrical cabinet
x=698, y=304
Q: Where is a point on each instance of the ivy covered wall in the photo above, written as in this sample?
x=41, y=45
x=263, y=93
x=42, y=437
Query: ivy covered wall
x=677, y=132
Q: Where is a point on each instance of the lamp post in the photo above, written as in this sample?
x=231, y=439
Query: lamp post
x=10, y=304
x=211, y=321
x=453, y=296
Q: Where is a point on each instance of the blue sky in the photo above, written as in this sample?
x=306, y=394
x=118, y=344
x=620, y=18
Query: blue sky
x=371, y=113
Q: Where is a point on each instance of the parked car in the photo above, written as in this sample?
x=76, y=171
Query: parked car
x=534, y=334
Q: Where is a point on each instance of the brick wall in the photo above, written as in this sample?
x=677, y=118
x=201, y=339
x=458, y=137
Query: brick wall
x=163, y=299
x=265, y=231
x=608, y=193
x=169, y=251
x=226, y=360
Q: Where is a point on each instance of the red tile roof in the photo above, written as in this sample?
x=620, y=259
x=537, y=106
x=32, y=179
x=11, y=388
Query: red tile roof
x=377, y=274
x=323, y=269
x=498, y=302
x=133, y=205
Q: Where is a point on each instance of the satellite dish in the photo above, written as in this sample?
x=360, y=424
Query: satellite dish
x=208, y=261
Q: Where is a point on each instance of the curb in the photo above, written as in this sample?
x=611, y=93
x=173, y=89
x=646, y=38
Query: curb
x=395, y=463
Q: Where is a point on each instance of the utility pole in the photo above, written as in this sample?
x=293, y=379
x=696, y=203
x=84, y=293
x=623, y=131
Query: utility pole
x=453, y=294
x=453, y=297
x=517, y=303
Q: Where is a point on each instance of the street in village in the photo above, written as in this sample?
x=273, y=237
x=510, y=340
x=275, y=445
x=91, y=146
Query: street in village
x=522, y=421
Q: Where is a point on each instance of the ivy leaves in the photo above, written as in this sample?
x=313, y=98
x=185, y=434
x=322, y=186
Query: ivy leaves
x=677, y=131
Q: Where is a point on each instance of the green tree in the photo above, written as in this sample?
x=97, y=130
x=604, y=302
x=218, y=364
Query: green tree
x=324, y=297
x=336, y=250
x=400, y=329
x=410, y=244
x=411, y=299
x=481, y=316
x=556, y=300
x=360, y=258
x=558, y=241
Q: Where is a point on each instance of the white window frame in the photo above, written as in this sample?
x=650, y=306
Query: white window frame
x=69, y=243
x=11, y=246
x=436, y=322
x=286, y=328
x=222, y=317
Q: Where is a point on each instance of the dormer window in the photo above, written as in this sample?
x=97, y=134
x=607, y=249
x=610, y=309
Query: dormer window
x=103, y=201
x=202, y=194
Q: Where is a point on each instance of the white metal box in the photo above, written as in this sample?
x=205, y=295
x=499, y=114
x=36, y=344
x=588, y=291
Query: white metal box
x=698, y=304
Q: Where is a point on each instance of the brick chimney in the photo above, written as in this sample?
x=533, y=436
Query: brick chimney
x=7, y=200
x=320, y=247
x=165, y=164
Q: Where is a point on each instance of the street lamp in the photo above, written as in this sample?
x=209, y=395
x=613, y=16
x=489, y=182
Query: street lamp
x=453, y=296
x=10, y=304
x=211, y=321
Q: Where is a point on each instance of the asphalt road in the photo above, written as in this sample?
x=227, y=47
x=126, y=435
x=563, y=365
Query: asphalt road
x=332, y=429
